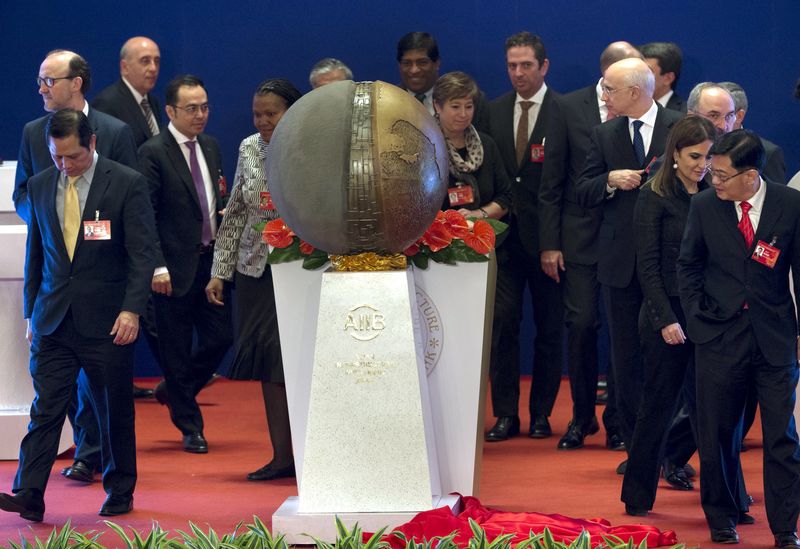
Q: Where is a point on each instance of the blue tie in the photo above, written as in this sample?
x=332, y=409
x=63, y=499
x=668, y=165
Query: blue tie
x=638, y=142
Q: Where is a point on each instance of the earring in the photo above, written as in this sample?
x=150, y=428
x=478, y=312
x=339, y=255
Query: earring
x=674, y=165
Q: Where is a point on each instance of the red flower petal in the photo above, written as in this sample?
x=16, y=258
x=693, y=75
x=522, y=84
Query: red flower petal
x=456, y=223
x=305, y=247
x=277, y=234
x=437, y=237
x=412, y=250
x=482, y=237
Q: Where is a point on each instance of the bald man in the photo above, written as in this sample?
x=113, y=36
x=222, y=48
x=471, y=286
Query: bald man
x=619, y=152
x=130, y=99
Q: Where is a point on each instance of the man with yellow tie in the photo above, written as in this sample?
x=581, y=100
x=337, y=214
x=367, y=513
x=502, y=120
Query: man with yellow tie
x=89, y=261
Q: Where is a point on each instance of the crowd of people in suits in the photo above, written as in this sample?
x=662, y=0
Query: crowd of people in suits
x=664, y=208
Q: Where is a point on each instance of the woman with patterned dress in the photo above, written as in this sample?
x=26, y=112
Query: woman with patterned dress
x=240, y=256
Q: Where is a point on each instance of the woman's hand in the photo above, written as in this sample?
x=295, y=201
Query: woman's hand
x=673, y=334
x=214, y=291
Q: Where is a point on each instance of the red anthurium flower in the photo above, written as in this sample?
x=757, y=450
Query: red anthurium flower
x=305, y=247
x=412, y=250
x=277, y=234
x=482, y=237
x=437, y=237
x=456, y=223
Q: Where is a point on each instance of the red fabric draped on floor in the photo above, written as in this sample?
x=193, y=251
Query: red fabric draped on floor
x=441, y=522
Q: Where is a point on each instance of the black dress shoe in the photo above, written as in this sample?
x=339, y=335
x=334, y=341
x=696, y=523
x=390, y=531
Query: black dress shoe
x=614, y=442
x=195, y=443
x=505, y=428
x=29, y=508
x=622, y=467
x=635, y=511
x=160, y=392
x=676, y=476
x=689, y=470
x=573, y=438
x=79, y=471
x=269, y=472
x=142, y=392
x=745, y=519
x=116, y=505
x=749, y=499
x=787, y=540
x=540, y=428
x=724, y=535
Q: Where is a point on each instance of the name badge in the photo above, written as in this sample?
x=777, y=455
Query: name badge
x=265, y=201
x=223, y=185
x=99, y=229
x=460, y=195
x=537, y=153
x=766, y=254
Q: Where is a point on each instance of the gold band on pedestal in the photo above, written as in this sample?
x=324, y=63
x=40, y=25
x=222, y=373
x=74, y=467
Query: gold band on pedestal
x=368, y=261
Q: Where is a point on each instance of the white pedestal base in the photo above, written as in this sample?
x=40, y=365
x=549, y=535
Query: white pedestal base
x=297, y=527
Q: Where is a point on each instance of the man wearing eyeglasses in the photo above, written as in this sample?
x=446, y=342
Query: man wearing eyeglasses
x=616, y=165
x=184, y=167
x=64, y=79
x=742, y=237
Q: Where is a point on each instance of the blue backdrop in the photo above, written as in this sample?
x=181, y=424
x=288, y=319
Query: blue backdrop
x=235, y=45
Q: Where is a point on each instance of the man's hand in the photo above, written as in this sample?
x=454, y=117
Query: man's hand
x=673, y=334
x=552, y=262
x=162, y=284
x=625, y=180
x=126, y=328
x=29, y=332
x=214, y=291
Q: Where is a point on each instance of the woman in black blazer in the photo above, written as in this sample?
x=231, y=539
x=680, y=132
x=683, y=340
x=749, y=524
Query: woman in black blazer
x=659, y=222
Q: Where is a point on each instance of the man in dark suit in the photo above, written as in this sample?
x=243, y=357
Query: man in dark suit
x=568, y=246
x=741, y=239
x=184, y=168
x=665, y=60
x=616, y=163
x=418, y=62
x=84, y=292
x=518, y=124
x=64, y=79
x=129, y=99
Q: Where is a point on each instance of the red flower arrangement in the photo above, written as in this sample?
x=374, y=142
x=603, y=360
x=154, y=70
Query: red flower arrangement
x=450, y=239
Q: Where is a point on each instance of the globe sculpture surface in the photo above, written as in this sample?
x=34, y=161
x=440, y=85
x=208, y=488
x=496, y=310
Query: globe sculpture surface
x=358, y=167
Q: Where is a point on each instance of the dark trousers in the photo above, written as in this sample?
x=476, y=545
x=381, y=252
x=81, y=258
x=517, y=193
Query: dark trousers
x=726, y=366
x=516, y=270
x=187, y=367
x=622, y=310
x=581, y=294
x=85, y=425
x=56, y=360
x=665, y=373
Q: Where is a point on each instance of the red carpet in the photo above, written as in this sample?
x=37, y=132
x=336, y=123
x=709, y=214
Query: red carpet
x=519, y=475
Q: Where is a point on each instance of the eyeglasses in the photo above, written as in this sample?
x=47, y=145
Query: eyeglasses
x=716, y=116
x=49, y=81
x=192, y=109
x=722, y=178
x=609, y=91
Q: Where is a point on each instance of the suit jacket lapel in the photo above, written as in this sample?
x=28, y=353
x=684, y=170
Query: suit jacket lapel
x=624, y=145
x=726, y=209
x=659, y=140
x=55, y=229
x=134, y=110
x=771, y=211
x=175, y=155
x=97, y=189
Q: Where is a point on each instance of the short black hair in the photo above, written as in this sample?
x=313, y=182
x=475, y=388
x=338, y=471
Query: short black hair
x=68, y=122
x=743, y=147
x=524, y=38
x=418, y=41
x=187, y=80
x=78, y=66
x=668, y=55
x=280, y=87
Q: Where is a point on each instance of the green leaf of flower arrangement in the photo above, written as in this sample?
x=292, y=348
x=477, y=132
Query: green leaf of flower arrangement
x=282, y=255
x=315, y=260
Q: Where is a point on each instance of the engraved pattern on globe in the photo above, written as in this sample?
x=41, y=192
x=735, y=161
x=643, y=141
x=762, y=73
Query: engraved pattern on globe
x=363, y=209
x=431, y=330
x=364, y=322
x=365, y=369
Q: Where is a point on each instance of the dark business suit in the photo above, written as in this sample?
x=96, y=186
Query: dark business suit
x=518, y=267
x=72, y=307
x=179, y=223
x=658, y=223
x=114, y=141
x=743, y=320
x=118, y=101
x=774, y=164
x=676, y=103
x=567, y=226
x=611, y=149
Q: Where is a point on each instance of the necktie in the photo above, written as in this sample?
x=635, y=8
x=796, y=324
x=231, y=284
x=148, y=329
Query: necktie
x=420, y=97
x=638, y=141
x=200, y=187
x=745, y=227
x=148, y=115
x=72, y=216
x=522, y=131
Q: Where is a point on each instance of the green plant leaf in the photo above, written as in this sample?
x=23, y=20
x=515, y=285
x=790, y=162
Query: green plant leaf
x=282, y=255
x=315, y=260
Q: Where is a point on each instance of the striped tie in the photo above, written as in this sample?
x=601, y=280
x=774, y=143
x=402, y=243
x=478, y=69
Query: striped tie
x=148, y=115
